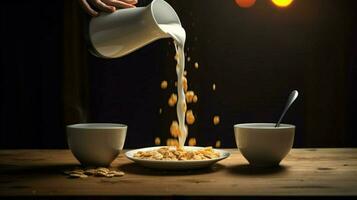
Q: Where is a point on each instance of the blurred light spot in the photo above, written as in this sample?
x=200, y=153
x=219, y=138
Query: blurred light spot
x=216, y=120
x=172, y=142
x=218, y=143
x=157, y=141
x=192, y=142
x=282, y=3
x=245, y=3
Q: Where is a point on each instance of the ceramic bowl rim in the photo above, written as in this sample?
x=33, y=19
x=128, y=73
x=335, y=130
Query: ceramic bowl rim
x=97, y=126
x=267, y=126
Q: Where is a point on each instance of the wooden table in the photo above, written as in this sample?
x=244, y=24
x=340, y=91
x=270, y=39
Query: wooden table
x=304, y=172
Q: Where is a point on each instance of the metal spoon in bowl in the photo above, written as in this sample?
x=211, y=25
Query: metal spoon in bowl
x=292, y=97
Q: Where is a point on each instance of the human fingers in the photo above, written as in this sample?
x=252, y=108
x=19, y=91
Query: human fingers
x=132, y=2
x=101, y=5
x=119, y=4
x=85, y=5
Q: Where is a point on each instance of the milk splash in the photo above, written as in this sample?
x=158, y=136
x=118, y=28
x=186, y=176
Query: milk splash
x=179, y=35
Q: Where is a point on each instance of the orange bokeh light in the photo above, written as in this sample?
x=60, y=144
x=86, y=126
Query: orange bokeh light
x=282, y=3
x=245, y=3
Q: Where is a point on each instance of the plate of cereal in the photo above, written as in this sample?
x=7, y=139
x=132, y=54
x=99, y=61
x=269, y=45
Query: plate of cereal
x=174, y=158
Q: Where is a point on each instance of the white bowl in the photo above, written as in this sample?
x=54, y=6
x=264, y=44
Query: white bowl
x=262, y=144
x=96, y=144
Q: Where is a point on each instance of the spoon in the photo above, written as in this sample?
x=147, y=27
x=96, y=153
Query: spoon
x=292, y=97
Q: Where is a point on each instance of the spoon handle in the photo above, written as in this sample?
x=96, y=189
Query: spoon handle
x=292, y=97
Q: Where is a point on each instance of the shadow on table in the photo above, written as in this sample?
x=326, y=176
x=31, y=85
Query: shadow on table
x=34, y=170
x=133, y=168
x=246, y=169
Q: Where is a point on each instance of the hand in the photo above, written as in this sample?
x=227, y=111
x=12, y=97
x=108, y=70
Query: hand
x=106, y=5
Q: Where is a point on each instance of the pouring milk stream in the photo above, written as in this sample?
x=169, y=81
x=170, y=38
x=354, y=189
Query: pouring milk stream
x=179, y=36
x=122, y=32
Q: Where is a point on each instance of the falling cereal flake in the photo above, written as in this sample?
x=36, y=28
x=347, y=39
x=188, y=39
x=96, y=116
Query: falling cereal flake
x=184, y=84
x=196, y=65
x=216, y=120
x=160, y=111
x=188, y=59
x=168, y=142
x=172, y=100
x=163, y=84
x=157, y=141
x=218, y=144
x=192, y=142
x=214, y=87
x=190, y=118
x=189, y=96
x=176, y=143
x=172, y=142
x=174, y=129
x=195, y=99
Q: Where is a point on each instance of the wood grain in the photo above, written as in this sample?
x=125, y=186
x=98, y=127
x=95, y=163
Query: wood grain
x=305, y=172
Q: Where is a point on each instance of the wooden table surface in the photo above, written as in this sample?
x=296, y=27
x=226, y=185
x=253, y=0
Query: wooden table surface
x=304, y=172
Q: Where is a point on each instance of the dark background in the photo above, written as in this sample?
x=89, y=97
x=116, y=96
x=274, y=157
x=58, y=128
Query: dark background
x=255, y=56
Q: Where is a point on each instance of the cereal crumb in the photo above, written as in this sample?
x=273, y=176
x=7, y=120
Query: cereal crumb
x=218, y=144
x=195, y=99
x=169, y=142
x=216, y=120
x=117, y=173
x=75, y=175
x=174, y=129
x=196, y=65
x=100, y=174
x=163, y=84
x=214, y=87
x=157, y=141
x=172, y=100
x=189, y=96
x=109, y=175
x=192, y=142
x=190, y=118
x=188, y=59
x=184, y=84
x=90, y=171
x=160, y=110
x=172, y=152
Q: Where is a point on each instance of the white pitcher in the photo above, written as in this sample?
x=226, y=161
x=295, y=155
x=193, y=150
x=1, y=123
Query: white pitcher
x=117, y=34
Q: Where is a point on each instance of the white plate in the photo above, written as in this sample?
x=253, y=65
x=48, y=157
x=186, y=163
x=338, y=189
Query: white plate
x=175, y=164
